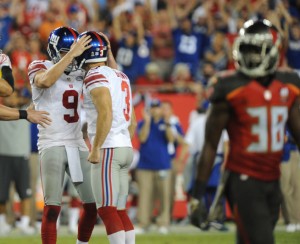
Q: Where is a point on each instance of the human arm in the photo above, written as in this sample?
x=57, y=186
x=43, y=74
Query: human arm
x=46, y=78
x=133, y=124
x=37, y=117
x=32, y=115
x=283, y=11
x=111, y=62
x=5, y=88
x=226, y=148
x=102, y=100
x=222, y=10
x=7, y=79
x=138, y=23
x=171, y=13
x=31, y=106
x=180, y=160
x=117, y=28
x=7, y=113
x=214, y=57
x=190, y=142
x=145, y=129
x=282, y=23
x=178, y=11
x=216, y=121
x=169, y=133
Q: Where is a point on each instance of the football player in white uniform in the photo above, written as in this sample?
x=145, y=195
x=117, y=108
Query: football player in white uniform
x=6, y=89
x=111, y=124
x=6, y=77
x=57, y=87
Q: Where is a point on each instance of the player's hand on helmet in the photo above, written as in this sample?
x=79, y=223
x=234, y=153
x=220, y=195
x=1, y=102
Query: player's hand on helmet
x=94, y=156
x=38, y=117
x=106, y=38
x=4, y=60
x=80, y=46
x=198, y=215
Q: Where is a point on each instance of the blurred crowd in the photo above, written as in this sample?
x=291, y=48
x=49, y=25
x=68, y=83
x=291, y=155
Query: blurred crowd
x=168, y=46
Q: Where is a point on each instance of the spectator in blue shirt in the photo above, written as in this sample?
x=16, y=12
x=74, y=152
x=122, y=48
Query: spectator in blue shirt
x=5, y=26
x=154, y=168
x=189, y=45
x=168, y=113
x=134, y=47
x=290, y=184
x=293, y=51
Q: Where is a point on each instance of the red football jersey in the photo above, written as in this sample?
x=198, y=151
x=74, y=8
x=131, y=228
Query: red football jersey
x=257, y=123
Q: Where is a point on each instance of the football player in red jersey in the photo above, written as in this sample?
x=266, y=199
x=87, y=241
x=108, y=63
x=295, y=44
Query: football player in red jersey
x=255, y=104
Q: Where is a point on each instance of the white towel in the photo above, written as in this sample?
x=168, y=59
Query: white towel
x=74, y=164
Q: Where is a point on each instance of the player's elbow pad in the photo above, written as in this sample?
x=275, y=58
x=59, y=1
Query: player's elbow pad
x=7, y=75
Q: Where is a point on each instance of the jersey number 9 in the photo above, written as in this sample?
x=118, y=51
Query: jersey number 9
x=70, y=101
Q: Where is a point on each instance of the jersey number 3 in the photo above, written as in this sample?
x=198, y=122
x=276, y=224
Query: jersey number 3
x=269, y=129
x=126, y=111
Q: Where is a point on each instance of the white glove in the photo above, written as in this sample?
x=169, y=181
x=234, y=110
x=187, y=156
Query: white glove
x=4, y=60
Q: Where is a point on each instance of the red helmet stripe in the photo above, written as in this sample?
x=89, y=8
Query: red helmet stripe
x=99, y=39
x=274, y=35
x=73, y=32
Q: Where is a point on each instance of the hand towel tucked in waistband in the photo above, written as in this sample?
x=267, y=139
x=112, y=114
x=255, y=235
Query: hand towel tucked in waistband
x=74, y=164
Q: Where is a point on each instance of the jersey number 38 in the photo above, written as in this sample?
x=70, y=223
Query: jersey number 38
x=269, y=129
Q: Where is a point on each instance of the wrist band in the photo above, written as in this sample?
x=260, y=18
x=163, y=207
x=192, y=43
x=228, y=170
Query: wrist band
x=22, y=114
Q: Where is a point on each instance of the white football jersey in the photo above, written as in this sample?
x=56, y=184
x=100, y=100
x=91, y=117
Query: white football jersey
x=195, y=135
x=119, y=86
x=62, y=101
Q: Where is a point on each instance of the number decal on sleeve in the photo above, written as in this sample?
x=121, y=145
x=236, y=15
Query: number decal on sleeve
x=70, y=101
x=275, y=124
x=125, y=88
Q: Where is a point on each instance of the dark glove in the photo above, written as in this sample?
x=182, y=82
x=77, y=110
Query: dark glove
x=198, y=216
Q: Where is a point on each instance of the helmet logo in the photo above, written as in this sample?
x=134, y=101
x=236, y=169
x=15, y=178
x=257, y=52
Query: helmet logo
x=54, y=39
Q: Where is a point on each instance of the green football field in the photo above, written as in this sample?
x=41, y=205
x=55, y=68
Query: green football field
x=194, y=237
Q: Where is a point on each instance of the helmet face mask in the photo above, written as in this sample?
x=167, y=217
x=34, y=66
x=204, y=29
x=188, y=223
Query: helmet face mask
x=60, y=41
x=256, y=50
x=96, y=53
